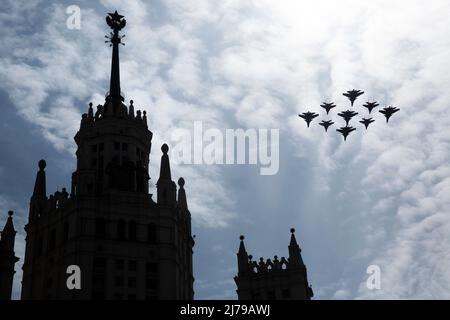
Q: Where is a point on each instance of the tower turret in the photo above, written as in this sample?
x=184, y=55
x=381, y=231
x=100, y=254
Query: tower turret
x=7, y=258
x=165, y=186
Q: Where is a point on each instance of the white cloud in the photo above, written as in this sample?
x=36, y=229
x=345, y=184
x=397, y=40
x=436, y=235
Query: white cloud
x=258, y=64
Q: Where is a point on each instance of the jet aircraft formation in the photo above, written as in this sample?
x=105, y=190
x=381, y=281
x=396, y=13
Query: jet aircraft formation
x=348, y=115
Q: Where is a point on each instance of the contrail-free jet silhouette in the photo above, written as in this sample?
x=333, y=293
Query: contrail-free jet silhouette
x=328, y=106
x=308, y=116
x=345, y=131
x=347, y=115
x=370, y=106
x=352, y=95
x=366, y=122
x=326, y=124
x=388, y=112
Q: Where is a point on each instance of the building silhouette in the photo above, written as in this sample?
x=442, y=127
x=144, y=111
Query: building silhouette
x=277, y=279
x=126, y=244
x=7, y=258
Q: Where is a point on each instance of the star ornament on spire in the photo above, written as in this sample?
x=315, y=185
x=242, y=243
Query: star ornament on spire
x=116, y=22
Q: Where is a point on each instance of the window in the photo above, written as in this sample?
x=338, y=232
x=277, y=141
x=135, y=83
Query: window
x=52, y=241
x=132, y=265
x=124, y=146
x=256, y=296
x=101, y=146
x=118, y=296
x=40, y=246
x=100, y=228
x=151, y=283
x=286, y=293
x=152, y=239
x=118, y=281
x=93, y=162
x=99, y=265
x=271, y=295
x=65, y=236
x=131, y=297
x=152, y=267
x=132, y=231
x=120, y=264
x=132, y=282
x=94, y=148
x=116, y=145
x=121, y=229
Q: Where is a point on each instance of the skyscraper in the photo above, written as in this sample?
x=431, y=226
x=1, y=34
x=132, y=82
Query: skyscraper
x=126, y=244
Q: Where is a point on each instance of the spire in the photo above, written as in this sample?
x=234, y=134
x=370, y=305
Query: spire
x=8, y=234
x=164, y=172
x=165, y=186
x=242, y=250
x=182, y=202
x=39, y=186
x=116, y=22
x=295, y=257
x=243, y=258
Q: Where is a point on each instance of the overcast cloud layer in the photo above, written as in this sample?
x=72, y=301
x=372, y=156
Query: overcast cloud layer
x=381, y=198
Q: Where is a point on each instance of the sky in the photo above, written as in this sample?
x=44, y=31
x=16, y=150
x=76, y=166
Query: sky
x=381, y=198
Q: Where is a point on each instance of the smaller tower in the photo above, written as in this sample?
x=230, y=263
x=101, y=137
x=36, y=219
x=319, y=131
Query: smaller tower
x=166, y=188
x=7, y=258
x=277, y=279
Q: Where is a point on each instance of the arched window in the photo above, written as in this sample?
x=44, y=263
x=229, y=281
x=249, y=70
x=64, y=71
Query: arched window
x=152, y=234
x=100, y=228
x=121, y=225
x=132, y=231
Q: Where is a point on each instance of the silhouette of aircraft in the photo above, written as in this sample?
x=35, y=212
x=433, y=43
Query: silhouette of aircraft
x=345, y=131
x=388, y=112
x=367, y=122
x=347, y=115
x=370, y=106
x=328, y=106
x=308, y=116
x=352, y=95
x=326, y=124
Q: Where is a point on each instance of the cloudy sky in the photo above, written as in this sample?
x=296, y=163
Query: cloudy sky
x=382, y=198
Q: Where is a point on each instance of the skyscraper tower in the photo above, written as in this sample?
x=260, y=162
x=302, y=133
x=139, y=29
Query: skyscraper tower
x=277, y=279
x=7, y=258
x=126, y=245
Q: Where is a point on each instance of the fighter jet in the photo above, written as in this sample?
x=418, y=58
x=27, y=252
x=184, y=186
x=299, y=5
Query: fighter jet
x=326, y=124
x=308, y=116
x=352, y=95
x=347, y=115
x=366, y=122
x=345, y=131
x=370, y=106
x=328, y=106
x=388, y=112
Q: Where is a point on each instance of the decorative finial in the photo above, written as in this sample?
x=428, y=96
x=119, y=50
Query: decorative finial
x=42, y=164
x=250, y=257
x=242, y=238
x=292, y=230
x=90, y=104
x=181, y=182
x=10, y=213
x=131, y=102
x=165, y=148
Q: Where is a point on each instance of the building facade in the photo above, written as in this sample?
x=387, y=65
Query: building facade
x=277, y=279
x=126, y=244
x=8, y=258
